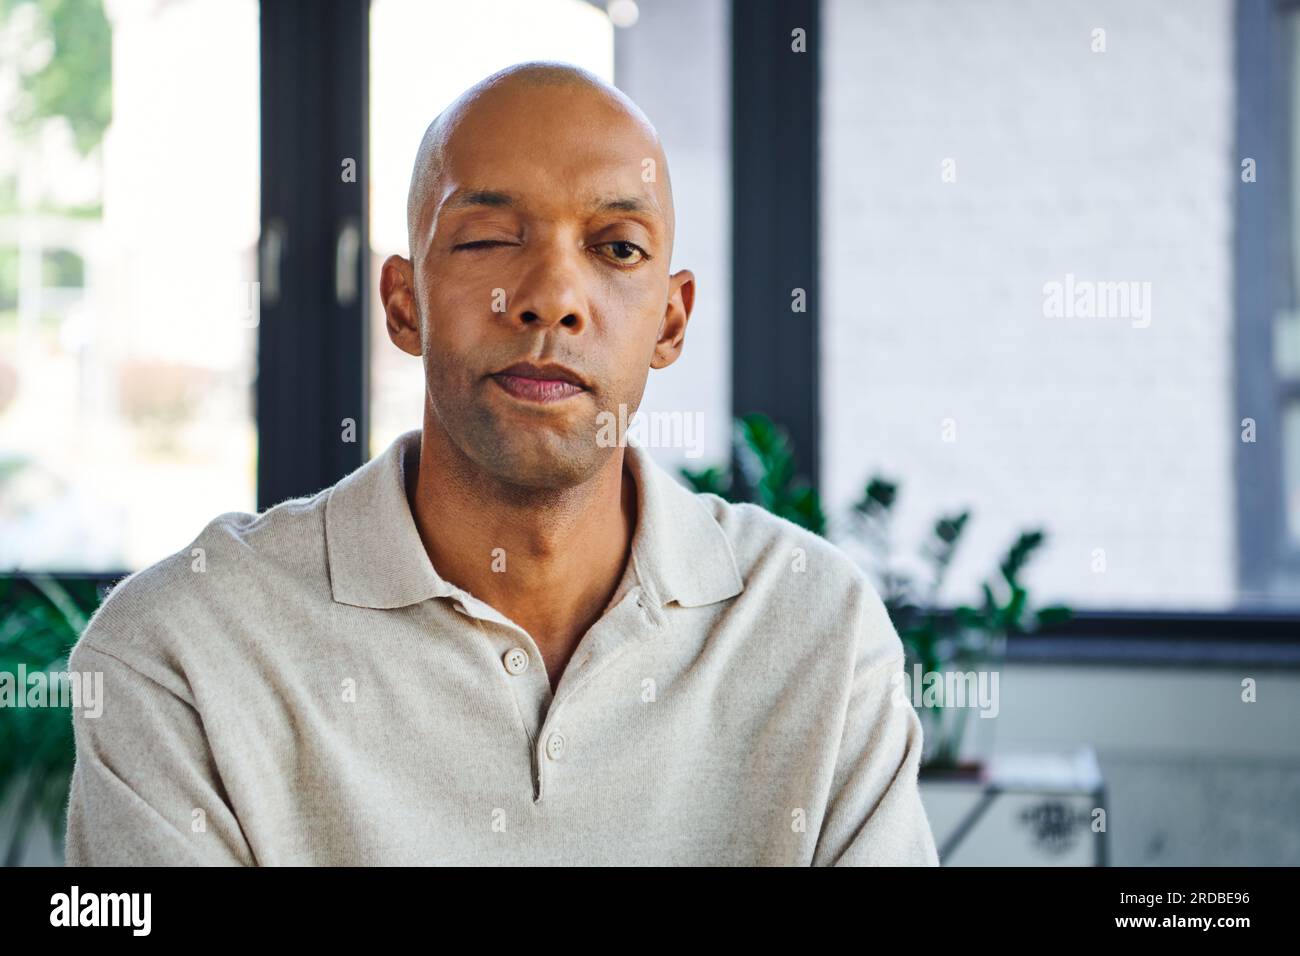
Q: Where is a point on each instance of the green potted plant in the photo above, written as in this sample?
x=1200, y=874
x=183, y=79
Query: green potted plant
x=40, y=620
x=971, y=639
x=767, y=475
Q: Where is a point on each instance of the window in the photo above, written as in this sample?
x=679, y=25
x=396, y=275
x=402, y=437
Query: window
x=1029, y=271
x=128, y=309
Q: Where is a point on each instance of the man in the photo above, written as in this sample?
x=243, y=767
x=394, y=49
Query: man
x=507, y=640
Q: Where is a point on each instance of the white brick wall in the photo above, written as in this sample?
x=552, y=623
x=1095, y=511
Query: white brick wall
x=1111, y=166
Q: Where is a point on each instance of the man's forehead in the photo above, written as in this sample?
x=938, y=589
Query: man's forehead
x=633, y=197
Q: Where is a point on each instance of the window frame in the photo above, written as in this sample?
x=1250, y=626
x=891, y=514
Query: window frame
x=776, y=204
x=1263, y=287
x=313, y=359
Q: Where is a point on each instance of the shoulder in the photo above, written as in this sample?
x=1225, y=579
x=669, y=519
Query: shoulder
x=236, y=563
x=807, y=581
x=757, y=536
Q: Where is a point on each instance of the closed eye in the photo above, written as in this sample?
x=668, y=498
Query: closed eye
x=482, y=244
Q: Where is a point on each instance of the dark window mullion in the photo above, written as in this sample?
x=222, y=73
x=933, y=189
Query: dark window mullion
x=774, y=153
x=1262, y=281
x=311, y=349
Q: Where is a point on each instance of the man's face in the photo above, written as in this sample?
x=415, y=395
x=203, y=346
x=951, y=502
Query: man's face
x=543, y=243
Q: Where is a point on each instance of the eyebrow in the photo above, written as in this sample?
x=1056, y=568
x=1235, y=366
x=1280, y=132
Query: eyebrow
x=497, y=199
x=479, y=197
x=623, y=204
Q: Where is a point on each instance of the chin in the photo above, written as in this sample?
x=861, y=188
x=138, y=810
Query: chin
x=543, y=461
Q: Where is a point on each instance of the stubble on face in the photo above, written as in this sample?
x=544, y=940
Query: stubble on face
x=528, y=451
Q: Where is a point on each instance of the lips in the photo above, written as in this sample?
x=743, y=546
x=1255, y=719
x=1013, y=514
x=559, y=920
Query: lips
x=542, y=384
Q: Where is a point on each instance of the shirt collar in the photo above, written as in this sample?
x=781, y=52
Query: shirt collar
x=376, y=558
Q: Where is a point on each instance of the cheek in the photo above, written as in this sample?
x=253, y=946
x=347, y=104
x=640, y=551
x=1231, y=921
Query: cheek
x=454, y=318
x=626, y=349
x=472, y=292
x=638, y=331
x=633, y=306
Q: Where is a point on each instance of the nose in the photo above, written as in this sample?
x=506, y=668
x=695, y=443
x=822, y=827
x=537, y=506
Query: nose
x=550, y=290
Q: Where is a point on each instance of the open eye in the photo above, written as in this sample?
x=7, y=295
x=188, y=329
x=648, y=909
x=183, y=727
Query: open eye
x=623, y=252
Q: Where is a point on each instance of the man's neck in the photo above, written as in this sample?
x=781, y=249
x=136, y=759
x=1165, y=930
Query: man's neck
x=549, y=561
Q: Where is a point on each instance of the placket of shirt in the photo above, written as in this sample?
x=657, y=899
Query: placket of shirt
x=633, y=620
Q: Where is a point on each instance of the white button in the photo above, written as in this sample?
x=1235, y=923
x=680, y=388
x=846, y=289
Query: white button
x=555, y=746
x=516, y=660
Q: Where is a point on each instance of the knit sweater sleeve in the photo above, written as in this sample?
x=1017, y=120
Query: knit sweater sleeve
x=145, y=789
x=874, y=815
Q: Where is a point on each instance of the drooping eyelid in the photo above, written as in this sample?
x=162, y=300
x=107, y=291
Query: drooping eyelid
x=481, y=234
x=475, y=224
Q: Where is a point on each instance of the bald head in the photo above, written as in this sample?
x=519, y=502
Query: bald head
x=525, y=92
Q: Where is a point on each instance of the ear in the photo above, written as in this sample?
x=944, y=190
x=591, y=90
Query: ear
x=402, y=316
x=672, y=332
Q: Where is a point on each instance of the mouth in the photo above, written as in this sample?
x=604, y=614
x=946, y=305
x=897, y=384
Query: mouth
x=540, y=384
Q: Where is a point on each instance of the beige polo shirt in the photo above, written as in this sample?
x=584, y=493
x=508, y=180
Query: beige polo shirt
x=302, y=687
